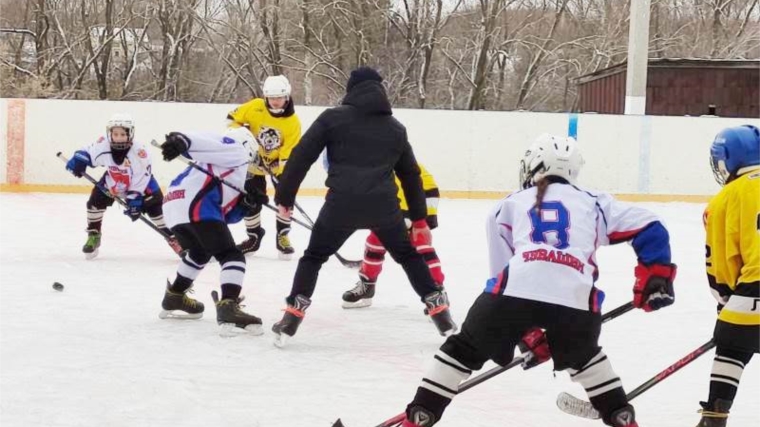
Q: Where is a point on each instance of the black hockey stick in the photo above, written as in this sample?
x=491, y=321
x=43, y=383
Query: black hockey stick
x=115, y=197
x=275, y=182
x=472, y=382
x=227, y=183
x=581, y=408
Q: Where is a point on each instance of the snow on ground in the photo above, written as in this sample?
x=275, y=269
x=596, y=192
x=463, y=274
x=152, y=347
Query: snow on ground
x=98, y=355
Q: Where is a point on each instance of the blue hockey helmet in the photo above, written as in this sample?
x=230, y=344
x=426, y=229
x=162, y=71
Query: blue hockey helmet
x=734, y=149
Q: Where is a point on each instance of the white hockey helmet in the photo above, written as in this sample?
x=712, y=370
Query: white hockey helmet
x=243, y=135
x=276, y=87
x=124, y=121
x=550, y=155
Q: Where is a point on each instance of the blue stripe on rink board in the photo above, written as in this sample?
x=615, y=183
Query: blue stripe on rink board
x=572, y=125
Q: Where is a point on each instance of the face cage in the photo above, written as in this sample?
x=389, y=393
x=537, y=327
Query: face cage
x=120, y=145
x=719, y=171
x=526, y=176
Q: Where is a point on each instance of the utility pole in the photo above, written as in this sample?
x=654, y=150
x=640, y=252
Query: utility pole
x=638, y=58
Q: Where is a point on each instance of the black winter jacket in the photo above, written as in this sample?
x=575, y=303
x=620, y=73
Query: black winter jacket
x=365, y=146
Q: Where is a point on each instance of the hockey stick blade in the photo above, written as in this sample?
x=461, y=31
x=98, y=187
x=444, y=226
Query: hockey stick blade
x=572, y=405
x=350, y=263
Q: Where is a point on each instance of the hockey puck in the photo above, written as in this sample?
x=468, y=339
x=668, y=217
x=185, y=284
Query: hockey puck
x=58, y=286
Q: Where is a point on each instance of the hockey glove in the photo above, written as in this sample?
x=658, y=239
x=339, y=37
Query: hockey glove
x=255, y=199
x=78, y=163
x=421, y=233
x=534, y=348
x=134, y=206
x=176, y=144
x=654, y=286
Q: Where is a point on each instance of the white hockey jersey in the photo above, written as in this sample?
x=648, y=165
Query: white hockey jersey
x=551, y=256
x=132, y=175
x=194, y=196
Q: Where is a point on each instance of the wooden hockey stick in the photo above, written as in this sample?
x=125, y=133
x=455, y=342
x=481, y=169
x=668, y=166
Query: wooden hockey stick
x=115, y=197
x=582, y=408
x=472, y=382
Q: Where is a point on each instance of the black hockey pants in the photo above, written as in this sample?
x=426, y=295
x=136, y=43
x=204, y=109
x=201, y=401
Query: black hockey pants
x=331, y=231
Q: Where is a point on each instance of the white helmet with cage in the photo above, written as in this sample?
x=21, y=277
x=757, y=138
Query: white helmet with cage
x=124, y=121
x=551, y=155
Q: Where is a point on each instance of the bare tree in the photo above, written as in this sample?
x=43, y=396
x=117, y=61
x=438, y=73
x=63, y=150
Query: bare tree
x=470, y=54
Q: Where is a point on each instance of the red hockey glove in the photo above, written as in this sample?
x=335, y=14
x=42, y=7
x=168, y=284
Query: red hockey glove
x=654, y=286
x=421, y=233
x=534, y=348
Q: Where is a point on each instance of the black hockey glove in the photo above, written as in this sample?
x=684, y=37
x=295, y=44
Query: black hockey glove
x=176, y=144
x=255, y=199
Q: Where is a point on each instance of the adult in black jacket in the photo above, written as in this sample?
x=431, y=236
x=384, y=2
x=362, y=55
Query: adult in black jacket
x=365, y=147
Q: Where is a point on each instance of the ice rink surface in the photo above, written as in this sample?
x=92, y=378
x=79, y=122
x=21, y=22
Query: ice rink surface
x=97, y=354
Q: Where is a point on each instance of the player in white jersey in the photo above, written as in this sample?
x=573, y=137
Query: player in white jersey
x=198, y=207
x=542, y=243
x=128, y=176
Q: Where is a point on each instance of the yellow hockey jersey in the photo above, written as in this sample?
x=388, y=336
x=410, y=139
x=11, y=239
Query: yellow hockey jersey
x=432, y=194
x=277, y=136
x=732, y=224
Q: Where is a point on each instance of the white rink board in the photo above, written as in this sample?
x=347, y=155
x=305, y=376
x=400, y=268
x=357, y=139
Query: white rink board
x=472, y=151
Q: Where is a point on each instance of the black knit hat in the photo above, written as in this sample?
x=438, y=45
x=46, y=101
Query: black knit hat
x=362, y=74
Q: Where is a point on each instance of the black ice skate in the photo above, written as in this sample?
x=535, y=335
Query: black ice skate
x=287, y=327
x=715, y=415
x=90, y=248
x=437, y=304
x=361, y=295
x=233, y=320
x=253, y=243
x=284, y=247
x=177, y=305
x=623, y=417
x=418, y=416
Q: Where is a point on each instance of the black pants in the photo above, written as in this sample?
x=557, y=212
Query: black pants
x=206, y=239
x=496, y=323
x=255, y=184
x=332, y=228
x=744, y=338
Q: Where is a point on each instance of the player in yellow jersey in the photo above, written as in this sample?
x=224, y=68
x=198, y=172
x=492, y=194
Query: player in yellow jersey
x=274, y=123
x=732, y=223
x=374, y=253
